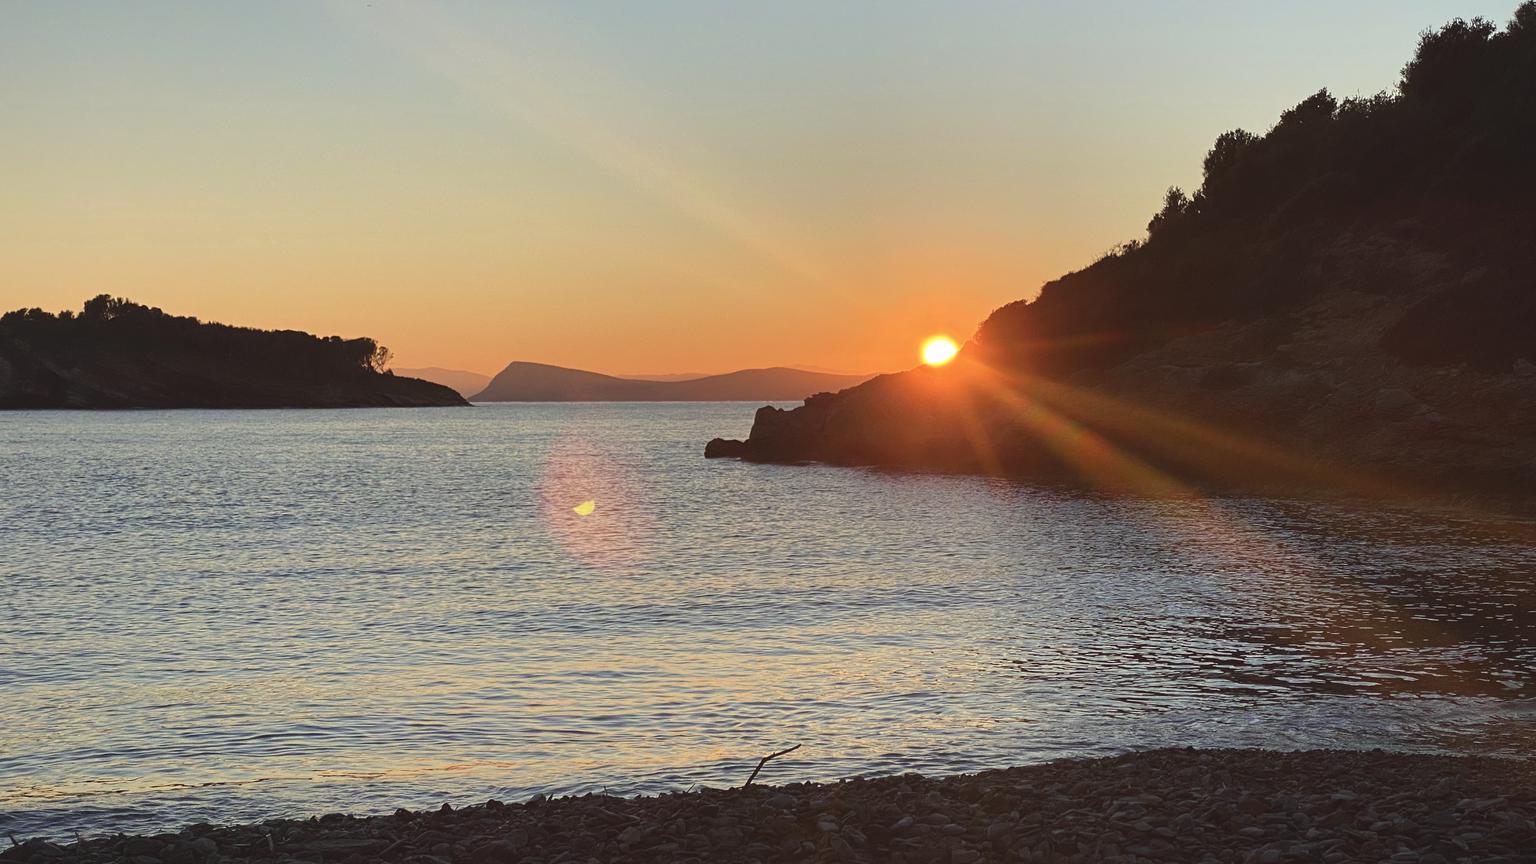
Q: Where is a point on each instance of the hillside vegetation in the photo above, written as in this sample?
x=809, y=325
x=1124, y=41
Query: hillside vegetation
x=1353, y=289
x=119, y=354
x=1446, y=166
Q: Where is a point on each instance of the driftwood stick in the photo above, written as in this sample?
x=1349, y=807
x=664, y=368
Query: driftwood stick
x=624, y=816
x=765, y=762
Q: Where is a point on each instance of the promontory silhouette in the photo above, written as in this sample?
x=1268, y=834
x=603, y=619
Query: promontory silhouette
x=1347, y=301
x=466, y=383
x=539, y=382
x=119, y=354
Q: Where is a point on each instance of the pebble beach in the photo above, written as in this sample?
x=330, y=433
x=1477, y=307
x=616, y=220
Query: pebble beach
x=1163, y=805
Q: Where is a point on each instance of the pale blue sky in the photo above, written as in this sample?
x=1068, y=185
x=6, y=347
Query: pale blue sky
x=629, y=186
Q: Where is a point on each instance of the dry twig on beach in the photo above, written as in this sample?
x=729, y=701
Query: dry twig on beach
x=764, y=761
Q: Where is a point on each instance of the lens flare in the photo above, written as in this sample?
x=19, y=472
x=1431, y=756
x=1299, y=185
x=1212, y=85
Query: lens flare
x=938, y=350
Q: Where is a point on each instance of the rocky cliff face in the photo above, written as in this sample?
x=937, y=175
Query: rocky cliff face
x=1324, y=409
x=1346, y=303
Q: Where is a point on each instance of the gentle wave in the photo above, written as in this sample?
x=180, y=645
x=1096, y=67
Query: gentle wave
x=236, y=615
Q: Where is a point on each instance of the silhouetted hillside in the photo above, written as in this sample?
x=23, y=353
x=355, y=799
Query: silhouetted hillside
x=466, y=384
x=119, y=354
x=1356, y=284
x=538, y=382
x=1444, y=168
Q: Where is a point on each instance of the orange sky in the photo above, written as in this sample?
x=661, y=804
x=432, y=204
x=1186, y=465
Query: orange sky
x=629, y=188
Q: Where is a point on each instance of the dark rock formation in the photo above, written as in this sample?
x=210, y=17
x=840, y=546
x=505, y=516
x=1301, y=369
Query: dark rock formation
x=118, y=354
x=724, y=448
x=1347, y=303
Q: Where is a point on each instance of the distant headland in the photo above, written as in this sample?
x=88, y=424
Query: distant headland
x=119, y=354
x=466, y=383
x=1345, y=303
x=539, y=382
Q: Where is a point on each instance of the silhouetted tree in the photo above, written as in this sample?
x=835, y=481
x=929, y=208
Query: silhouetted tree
x=1175, y=204
x=1447, y=58
x=1226, y=152
x=379, y=359
x=1445, y=163
x=115, y=324
x=1314, y=111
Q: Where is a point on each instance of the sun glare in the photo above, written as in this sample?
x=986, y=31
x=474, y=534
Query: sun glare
x=938, y=350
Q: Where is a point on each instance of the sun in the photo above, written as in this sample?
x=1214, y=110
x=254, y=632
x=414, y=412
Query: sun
x=938, y=350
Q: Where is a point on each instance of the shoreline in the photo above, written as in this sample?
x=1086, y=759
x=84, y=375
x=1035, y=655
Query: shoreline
x=1157, y=805
x=1487, y=503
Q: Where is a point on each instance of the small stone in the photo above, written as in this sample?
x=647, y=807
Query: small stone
x=494, y=853
x=1396, y=401
x=1442, y=819
x=140, y=846
x=631, y=835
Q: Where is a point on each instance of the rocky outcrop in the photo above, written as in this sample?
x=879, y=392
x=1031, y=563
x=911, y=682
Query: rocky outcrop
x=1327, y=312
x=1307, y=401
x=725, y=448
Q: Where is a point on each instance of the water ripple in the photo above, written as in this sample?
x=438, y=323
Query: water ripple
x=237, y=615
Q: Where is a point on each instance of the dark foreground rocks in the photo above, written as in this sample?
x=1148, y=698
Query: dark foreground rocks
x=1165, y=805
x=725, y=448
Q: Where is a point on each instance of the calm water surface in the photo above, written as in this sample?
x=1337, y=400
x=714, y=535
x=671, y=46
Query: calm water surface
x=229, y=616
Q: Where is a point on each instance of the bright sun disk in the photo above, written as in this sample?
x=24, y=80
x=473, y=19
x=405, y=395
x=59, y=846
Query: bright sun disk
x=938, y=350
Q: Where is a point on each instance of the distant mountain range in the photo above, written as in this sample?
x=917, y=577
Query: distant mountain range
x=466, y=383
x=540, y=382
x=669, y=376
